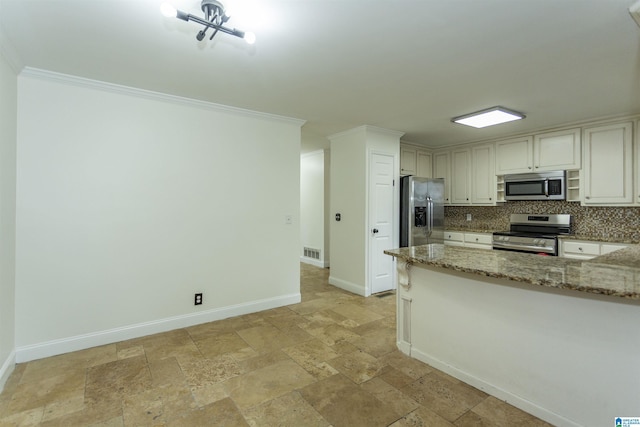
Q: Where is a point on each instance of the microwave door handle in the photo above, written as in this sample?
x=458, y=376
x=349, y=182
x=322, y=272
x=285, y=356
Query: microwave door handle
x=546, y=187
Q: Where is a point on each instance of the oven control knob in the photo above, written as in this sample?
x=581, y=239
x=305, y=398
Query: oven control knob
x=506, y=238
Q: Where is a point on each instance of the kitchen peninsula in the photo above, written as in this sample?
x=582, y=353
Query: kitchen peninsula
x=556, y=337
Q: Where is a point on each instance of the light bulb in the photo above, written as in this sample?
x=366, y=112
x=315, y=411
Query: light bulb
x=168, y=10
x=250, y=37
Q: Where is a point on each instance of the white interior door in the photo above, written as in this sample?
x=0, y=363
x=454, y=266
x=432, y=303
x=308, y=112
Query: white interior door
x=381, y=221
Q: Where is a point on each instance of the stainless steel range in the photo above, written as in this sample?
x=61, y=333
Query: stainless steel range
x=536, y=234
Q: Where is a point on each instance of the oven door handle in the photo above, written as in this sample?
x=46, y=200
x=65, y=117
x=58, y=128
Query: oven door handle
x=546, y=249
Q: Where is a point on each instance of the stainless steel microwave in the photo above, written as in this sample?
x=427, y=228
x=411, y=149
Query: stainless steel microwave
x=535, y=186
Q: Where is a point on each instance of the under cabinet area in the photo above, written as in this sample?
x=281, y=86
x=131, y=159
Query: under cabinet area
x=586, y=249
x=548, y=151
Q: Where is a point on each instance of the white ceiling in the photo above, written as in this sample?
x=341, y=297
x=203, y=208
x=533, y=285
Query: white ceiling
x=406, y=65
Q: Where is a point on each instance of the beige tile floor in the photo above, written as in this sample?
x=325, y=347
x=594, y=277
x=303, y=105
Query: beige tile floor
x=329, y=361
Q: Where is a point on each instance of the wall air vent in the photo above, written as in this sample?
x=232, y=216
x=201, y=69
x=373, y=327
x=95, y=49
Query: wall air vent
x=312, y=253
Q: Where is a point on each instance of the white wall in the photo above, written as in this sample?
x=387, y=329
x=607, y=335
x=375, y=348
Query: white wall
x=312, y=206
x=347, y=236
x=129, y=202
x=350, y=152
x=8, y=103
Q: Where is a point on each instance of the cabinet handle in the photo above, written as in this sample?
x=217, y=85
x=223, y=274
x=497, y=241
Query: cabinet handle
x=529, y=167
x=580, y=249
x=587, y=197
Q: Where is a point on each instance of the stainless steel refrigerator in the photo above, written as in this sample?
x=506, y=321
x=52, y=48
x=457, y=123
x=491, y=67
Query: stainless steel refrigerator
x=421, y=211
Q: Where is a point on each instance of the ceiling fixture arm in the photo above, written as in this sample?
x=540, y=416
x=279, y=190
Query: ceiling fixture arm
x=214, y=17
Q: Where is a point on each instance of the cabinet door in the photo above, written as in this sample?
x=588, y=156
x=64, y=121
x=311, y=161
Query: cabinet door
x=557, y=150
x=607, y=248
x=514, y=156
x=579, y=249
x=478, y=240
x=407, y=161
x=453, y=238
x=423, y=164
x=460, y=177
x=483, y=177
x=442, y=169
x=608, y=163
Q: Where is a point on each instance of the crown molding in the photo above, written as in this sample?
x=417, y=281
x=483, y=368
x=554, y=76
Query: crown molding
x=365, y=129
x=151, y=95
x=312, y=154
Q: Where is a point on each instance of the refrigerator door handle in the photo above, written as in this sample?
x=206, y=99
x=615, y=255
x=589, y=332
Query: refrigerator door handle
x=430, y=213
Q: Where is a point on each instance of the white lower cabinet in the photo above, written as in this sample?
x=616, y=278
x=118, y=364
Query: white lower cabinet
x=469, y=240
x=453, y=238
x=478, y=240
x=584, y=249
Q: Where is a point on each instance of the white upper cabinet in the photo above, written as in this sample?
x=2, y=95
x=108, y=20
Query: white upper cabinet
x=423, y=164
x=557, y=150
x=408, y=161
x=442, y=169
x=461, y=177
x=483, y=178
x=514, y=156
x=414, y=161
x=608, y=165
x=543, y=152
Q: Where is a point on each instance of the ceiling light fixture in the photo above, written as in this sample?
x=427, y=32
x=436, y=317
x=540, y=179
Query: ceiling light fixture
x=215, y=17
x=634, y=10
x=489, y=117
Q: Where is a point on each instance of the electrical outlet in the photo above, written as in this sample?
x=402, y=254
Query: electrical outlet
x=197, y=300
x=468, y=217
x=288, y=219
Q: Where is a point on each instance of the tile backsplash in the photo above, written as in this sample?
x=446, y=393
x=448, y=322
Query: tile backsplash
x=599, y=222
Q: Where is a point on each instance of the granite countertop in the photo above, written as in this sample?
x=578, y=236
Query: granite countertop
x=615, y=274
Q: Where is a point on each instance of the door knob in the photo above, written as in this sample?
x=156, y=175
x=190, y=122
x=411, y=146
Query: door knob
x=375, y=230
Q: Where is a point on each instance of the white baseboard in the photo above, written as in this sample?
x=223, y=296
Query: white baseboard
x=347, y=286
x=404, y=347
x=7, y=368
x=510, y=398
x=81, y=342
x=318, y=263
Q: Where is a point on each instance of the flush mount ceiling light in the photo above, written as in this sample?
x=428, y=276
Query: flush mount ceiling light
x=215, y=17
x=489, y=117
